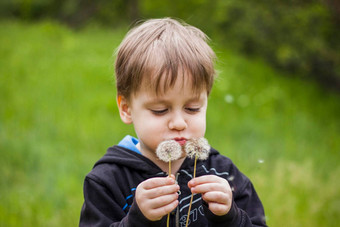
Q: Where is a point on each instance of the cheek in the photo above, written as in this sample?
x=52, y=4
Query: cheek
x=198, y=125
x=148, y=125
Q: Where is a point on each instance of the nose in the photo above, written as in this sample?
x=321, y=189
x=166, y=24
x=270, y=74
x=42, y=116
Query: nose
x=177, y=122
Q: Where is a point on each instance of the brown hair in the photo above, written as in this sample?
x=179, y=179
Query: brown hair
x=157, y=51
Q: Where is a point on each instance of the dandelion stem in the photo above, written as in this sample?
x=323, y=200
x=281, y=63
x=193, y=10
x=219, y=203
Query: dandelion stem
x=192, y=195
x=168, y=220
x=169, y=174
x=196, y=156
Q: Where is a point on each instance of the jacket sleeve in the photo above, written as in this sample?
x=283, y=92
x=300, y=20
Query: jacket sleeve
x=246, y=210
x=100, y=209
x=250, y=206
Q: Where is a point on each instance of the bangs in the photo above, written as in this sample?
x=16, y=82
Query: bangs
x=172, y=57
x=162, y=70
x=158, y=56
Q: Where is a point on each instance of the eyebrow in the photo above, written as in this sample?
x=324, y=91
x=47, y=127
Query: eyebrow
x=164, y=101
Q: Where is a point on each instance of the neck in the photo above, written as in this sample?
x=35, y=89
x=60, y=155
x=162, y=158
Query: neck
x=175, y=165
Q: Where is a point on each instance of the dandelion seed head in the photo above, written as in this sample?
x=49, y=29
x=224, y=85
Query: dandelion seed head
x=199, y=147
x=169, y=150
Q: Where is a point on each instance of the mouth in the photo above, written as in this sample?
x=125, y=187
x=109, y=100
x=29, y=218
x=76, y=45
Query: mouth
x=180, y=140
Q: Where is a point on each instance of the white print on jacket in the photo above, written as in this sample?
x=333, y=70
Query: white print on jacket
x=198, y=210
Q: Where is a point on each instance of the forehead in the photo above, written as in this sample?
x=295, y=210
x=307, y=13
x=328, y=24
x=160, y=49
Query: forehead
x=182, y=82
x=180, y=93
x=162, y=86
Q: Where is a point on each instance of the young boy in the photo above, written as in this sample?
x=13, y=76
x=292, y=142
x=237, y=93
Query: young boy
x=164, y=74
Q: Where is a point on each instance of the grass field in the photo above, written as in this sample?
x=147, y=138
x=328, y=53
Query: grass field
x=58, y=116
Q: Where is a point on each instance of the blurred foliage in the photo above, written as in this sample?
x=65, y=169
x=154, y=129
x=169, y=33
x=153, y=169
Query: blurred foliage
x=298, y=36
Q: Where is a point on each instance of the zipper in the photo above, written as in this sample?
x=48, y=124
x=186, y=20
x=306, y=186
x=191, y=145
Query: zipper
x=177, y=209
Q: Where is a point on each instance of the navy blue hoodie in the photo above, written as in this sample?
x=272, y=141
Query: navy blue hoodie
x=109, y=191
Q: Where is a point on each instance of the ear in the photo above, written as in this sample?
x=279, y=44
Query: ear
x=124, y=109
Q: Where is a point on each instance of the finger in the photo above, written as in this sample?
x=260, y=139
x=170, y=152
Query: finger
x=219, y=209
x=217, y=197
x=206, y=179
x=158, y=213
x=163, y=190
x=157, y=182
x=208, y=187
x=163, y=200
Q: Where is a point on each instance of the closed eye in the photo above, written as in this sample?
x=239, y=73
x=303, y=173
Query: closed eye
x=192, y=110
x=159, y=112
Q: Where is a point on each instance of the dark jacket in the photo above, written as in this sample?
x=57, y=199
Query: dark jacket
x=109, y=191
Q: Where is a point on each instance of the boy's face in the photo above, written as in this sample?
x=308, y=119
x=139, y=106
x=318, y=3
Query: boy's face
x=176, y=114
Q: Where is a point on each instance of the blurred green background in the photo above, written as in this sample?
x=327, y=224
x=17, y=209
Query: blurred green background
x=274, y=109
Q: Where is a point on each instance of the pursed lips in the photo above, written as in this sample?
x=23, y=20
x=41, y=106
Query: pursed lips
x=180, y=140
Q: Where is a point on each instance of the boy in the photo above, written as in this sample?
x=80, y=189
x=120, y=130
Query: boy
x=164, y=74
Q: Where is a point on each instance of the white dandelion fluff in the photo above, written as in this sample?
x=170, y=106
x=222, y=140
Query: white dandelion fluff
x=199, y=147
x=169, y=150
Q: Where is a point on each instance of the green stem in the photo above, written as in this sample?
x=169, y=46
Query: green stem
x=168, y=220
x=169, y=174
x=192, y=195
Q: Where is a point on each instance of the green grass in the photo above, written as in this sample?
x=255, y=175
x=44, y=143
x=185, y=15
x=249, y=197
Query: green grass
x=58, y=116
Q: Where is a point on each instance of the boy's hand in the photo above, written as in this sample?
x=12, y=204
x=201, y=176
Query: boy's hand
x=215, y=191
x=157, y=197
